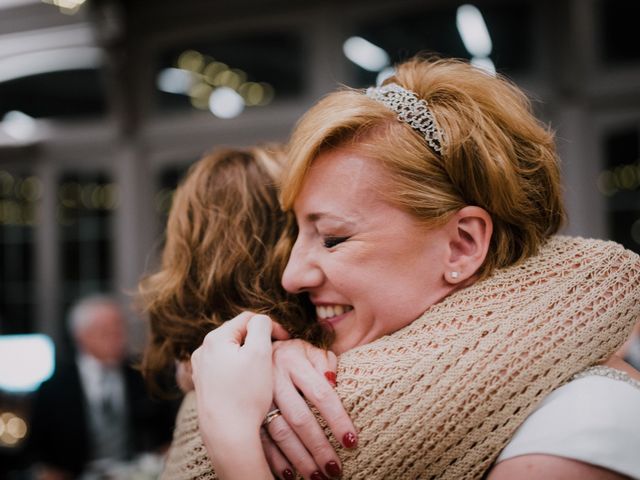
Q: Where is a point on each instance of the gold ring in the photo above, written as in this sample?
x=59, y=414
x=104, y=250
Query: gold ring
x=270, y=416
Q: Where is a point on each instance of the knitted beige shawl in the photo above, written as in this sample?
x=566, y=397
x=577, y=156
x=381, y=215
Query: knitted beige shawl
x=441, y=397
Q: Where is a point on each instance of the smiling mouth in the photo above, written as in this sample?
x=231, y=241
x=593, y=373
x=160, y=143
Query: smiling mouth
x=327, y=312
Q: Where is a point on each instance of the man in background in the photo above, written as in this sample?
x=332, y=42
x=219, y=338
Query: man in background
x=94, y=412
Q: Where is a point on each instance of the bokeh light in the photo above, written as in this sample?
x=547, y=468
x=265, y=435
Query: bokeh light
x=622, y=177
x=214, y=85
x=13, y=429
x=225, y=102
x=191, y=60
x=365, y=54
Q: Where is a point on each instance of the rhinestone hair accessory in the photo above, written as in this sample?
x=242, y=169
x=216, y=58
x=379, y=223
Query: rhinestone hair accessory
x=411, y=110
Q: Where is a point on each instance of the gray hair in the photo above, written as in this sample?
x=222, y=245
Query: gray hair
x=79, y=317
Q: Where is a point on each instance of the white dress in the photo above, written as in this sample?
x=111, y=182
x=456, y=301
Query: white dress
x=595, y=418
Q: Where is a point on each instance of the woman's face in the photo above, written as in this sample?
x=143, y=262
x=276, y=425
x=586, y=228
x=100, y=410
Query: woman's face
x=368, y=267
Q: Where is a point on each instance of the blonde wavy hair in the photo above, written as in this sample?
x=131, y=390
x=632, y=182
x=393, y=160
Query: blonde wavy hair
x=498, y=156
x=227, y=243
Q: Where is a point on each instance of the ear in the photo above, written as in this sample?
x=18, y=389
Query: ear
x=469, y=234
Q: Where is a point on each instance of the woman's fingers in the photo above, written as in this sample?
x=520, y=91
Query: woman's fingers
x=325, y=363
x=279, y=332
x=319, y=392
x=298, y=433
x=233, y=331
x=333, y=360
x=276, y=331
x=316, y=379
x=292, y=448
x=277, y=461
x=258, y=336
x=301, y=369
x=235, y=328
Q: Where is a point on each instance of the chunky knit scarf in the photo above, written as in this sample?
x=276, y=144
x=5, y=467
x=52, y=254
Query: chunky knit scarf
x=441, y=397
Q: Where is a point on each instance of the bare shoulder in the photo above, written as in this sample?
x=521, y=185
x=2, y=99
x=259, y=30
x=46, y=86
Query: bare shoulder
x=619, y=364
x=549, y=467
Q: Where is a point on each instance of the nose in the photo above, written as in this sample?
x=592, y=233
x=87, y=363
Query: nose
x=302, y=272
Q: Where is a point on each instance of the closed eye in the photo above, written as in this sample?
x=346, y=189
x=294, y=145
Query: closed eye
x=330, y=242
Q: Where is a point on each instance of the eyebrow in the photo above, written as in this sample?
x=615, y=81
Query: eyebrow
x=316, y=216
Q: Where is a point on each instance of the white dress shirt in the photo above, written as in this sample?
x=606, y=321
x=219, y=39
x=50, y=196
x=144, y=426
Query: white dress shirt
x=104, y=390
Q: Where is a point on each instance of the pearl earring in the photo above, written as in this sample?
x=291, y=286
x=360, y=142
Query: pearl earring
x=455, y=275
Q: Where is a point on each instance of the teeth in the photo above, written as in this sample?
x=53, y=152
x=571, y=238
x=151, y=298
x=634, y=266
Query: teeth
x=324, y=312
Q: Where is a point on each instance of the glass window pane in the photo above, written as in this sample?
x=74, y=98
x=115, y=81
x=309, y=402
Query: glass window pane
x=620, y=183
x=65, y=94
x=19, y=200
x=618, y=24
x=85, y=216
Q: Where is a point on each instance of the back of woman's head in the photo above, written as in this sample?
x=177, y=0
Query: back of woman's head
x=495, y=154
x=227, y=243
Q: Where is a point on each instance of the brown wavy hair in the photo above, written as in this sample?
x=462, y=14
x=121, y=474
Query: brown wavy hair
x=227, y=243
x=498, y=156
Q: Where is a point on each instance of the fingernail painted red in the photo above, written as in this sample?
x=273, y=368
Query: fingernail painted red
x=331, y=377
x=333, y=469
x=349, y=440
x=317, y=475
x=287, y=474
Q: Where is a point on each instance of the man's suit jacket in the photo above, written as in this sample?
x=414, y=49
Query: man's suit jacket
x=60, y=435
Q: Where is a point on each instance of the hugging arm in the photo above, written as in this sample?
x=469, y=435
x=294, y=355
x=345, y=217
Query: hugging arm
x=540, y=466
x=293, y=441
x=544, y=467
x=232, y=375
x=533, y=466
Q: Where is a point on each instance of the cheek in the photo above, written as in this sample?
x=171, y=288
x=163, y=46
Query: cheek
x=399, y=296
x=354, y=274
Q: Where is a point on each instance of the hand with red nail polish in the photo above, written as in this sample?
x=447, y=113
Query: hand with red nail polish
x=304, y=373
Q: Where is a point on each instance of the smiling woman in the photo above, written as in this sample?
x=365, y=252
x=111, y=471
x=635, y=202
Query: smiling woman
x=426, y=213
